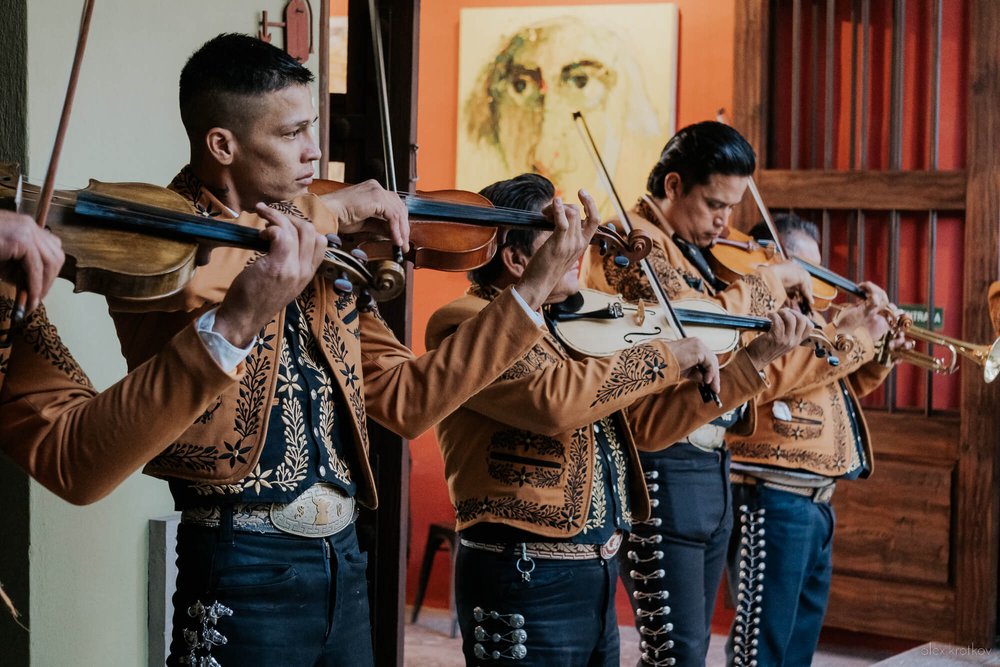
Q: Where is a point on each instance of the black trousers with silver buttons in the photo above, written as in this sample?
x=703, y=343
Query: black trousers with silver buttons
x=672, y=565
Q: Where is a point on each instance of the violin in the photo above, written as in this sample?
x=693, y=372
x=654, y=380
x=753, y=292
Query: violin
x=668, y=317
x=736, y=254
x=138, y=241
x=456, y=230
x=595, y=323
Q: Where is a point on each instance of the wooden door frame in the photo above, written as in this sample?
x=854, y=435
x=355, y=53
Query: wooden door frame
x=976, y=497
x=355, y=139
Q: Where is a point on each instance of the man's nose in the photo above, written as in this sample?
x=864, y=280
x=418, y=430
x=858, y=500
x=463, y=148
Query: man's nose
x=312, y=151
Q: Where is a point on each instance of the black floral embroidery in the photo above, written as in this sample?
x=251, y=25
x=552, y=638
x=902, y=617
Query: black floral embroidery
x=209, y=414
x=186, y=455
x=762, y=300
x=484, y=292
x=561, y=517
x=535, y=359
x=834, y=462
x=43, y=337
x=191, y=188
x=637, y=367
x=288, y=208
x=514, y=475
x=526, y=442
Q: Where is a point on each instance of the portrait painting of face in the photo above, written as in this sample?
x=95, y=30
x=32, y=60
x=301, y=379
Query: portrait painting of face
x=523, y=72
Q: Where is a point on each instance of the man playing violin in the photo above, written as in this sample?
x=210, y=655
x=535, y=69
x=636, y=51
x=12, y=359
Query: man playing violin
x=80, y=444
x=542, y=463
x=810, y=432
x=701, y=175
x=267, y=479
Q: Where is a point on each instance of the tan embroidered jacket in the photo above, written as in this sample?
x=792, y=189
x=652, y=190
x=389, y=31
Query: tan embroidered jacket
x=542, y=410
x=375, y=374
x=79, y=444
x=802, y=418
x=756, y=294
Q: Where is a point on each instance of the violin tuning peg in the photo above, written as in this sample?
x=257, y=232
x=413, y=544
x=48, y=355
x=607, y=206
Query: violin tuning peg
x=621, y=260
x=342, y=285
x=334, y=241
x=820, y=352
x=611, y=226
x=397, y=254
x=364, y=301
x=359, y=254
x=602, y=247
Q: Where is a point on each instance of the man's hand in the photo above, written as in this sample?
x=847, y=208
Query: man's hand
x=37, y=251
x=794, y=279
x=274, y=280
x=863, y=315
x=789, y=328
x=370, y=207
x=561, y=251
x=696, y=361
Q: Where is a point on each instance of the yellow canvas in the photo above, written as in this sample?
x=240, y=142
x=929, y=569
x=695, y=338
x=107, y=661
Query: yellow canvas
x=524, y=71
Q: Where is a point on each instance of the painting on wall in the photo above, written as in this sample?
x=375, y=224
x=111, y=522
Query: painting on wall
x=524, y=71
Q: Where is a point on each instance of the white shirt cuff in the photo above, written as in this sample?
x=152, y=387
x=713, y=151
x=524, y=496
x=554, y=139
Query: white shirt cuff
x=227, y=355
x=535, y=316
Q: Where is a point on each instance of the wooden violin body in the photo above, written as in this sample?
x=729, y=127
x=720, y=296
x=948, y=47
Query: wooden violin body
x=457, y=230
x=597, y=324
x=737, y=254
x=137, y=241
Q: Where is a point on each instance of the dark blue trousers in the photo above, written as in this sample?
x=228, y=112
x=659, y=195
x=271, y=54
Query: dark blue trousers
x=788, y=602
x=672, y=565
x=296, y=602
x=568, y=610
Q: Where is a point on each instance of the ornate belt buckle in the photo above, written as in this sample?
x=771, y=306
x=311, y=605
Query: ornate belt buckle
x=824, y=494
x=709, y=436
x=610, y=548
x=322, y=510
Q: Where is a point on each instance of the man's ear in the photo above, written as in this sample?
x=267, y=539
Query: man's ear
x=673, y=187
x=514, y=261
x=221, y=145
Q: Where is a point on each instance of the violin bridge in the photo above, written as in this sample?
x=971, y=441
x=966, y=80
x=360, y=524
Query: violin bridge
x=640, y=313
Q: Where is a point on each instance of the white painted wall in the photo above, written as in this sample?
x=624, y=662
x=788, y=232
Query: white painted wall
x=88, y=574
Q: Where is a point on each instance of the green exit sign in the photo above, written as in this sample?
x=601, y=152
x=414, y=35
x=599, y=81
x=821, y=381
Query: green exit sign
x=918, y=313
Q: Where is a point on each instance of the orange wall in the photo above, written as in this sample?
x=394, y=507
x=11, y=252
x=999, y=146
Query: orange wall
x=705, y=83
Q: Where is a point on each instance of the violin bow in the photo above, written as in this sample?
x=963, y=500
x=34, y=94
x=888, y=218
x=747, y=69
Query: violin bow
x=48, y=188
x=707, y=393
x=381, y=85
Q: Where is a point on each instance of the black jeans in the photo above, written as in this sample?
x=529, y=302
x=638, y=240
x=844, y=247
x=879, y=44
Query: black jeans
x=296, y=602
x=672, y=564
x=568, y=609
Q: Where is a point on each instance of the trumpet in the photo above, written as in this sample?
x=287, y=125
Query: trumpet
x=986, y=356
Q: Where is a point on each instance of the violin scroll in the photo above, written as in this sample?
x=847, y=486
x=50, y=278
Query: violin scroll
x=632, y=248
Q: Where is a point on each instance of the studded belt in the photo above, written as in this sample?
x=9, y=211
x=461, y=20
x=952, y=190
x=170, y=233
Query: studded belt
x=320, y=511
x=555, y=550
x=818, y=494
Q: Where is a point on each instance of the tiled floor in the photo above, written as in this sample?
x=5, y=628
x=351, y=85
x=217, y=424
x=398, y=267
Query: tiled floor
x=428, y=645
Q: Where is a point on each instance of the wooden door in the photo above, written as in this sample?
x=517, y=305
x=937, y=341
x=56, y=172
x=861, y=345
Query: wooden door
x=915, y=554
x=356, y=140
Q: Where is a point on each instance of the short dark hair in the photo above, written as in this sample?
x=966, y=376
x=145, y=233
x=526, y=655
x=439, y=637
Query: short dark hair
x=221, y=79
x=700, y=150
x=527, y=192
x=785, y=224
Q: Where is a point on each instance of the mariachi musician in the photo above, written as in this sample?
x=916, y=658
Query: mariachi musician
x=542, y=465
x=701, y=175
x=80, y=444
x=810, y=433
